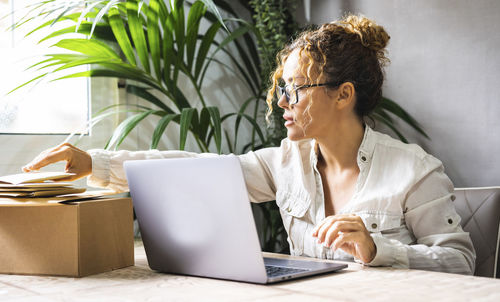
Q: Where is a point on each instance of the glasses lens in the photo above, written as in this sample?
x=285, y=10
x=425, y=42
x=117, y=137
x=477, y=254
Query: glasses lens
x=279, y=92
x=292, y=96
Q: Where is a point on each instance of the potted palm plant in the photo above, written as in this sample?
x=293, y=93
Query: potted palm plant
x=152, y=45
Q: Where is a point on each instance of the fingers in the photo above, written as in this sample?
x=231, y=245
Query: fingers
x=348, y=232
x=343, y=238
x=340, y=227
x=78, y=161
x=50, y=156
x=46, y=158
x=322, y=228
x=325, y=221
x=359, y=244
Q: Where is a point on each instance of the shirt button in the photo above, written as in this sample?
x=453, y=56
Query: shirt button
x=453, y=197
x=363, y=158
x=289, y=209
x=374, y=225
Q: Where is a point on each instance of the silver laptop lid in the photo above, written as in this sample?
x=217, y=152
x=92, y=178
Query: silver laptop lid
x=195, y=217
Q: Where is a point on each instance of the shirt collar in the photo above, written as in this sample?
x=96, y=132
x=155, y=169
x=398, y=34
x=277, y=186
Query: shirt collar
x=365, y=151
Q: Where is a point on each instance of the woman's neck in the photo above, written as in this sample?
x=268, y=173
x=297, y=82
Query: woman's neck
x=338, y=149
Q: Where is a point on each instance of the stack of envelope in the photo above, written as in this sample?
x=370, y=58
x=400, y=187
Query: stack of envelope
x=36, y=184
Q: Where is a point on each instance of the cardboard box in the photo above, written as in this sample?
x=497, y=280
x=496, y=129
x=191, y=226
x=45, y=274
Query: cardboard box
x=72, y=239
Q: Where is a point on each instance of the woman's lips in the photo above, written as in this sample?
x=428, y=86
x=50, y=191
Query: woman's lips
x=288, y=120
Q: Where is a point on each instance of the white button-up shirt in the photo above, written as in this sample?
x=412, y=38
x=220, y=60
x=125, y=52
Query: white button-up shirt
x=402, y=195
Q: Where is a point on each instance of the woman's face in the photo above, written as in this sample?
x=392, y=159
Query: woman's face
x=320, y=118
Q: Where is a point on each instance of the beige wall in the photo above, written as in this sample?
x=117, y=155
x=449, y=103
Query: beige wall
x=445, y=71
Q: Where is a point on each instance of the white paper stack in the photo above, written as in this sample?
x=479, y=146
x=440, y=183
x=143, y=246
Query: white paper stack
x=36, y=184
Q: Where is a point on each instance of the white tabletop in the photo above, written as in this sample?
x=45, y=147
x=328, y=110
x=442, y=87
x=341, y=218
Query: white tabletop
x=356, y=283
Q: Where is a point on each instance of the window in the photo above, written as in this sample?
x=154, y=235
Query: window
x=59, y=107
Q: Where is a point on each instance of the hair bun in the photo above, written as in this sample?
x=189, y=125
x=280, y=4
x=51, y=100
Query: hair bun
x=372, y=35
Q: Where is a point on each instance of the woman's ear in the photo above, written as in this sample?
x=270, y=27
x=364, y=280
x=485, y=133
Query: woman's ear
x=346, y=95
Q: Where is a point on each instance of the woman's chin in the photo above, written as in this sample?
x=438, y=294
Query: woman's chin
x=295, y=134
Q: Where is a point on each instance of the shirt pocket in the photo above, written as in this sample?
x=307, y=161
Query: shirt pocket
x=293, y=207
x=293, y=204
x=381, y=222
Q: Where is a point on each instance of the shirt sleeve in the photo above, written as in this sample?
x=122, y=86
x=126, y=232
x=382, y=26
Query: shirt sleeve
x=259, y=170
x=441, y=244
x=108, y=172
x=107, y=166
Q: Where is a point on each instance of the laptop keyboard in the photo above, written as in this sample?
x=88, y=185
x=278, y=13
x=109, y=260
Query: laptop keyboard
x=276, y=271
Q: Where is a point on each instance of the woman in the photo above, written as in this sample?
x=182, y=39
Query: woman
x=344, y=190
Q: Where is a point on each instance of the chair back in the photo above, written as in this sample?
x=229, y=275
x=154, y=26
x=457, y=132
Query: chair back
x=480, y=212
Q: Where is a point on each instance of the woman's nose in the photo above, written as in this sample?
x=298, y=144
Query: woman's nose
x=282, y=102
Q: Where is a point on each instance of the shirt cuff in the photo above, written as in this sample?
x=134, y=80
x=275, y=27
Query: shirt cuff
x=390, y=252
x=100, y=176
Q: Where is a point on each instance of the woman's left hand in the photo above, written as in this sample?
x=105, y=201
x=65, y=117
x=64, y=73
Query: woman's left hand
x=348, y=232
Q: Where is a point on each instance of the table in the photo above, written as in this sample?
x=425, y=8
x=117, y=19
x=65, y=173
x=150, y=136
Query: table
x=356, y=283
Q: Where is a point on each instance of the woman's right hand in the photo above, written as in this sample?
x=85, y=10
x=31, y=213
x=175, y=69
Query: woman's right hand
x=78, y=161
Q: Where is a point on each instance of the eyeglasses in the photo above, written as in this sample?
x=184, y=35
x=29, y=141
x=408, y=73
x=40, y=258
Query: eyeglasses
x=280, y=91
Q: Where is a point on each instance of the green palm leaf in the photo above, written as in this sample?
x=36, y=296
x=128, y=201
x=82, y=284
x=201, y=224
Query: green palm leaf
x=160, y=128
x=137, y=33
x=390, y=124
x=193, y=25
x=258, y=36
x=108, y=72
x=238, y=119
x=121, y=35
x=87, y=12
x=50, y=22
x=397, y=110
x=125, y=127
x=58, y=59
x=140, y=108
x=228, y=141
x=177, y=12
x=185, y=124
x=168, y=48
x=102, y=115
x=102, y=31
x=217, y=126
x=249, y=64
x=28, y=82
x=243, y=77
x=103, y=12
x=81, y=62
x=146, y=95
x=89, y=47
x=154, y=36
x=234, y=35
x=206, y=43
x=179, y=98
x=213, y=8
x=255, y=127
x=204, y=124
x=69, y=7
x=163, y=10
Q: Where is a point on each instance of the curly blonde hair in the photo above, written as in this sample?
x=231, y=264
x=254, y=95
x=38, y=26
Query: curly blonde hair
x=351, y=49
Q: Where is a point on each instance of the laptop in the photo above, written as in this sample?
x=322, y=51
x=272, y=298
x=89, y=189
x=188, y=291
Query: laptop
x=195, y=219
